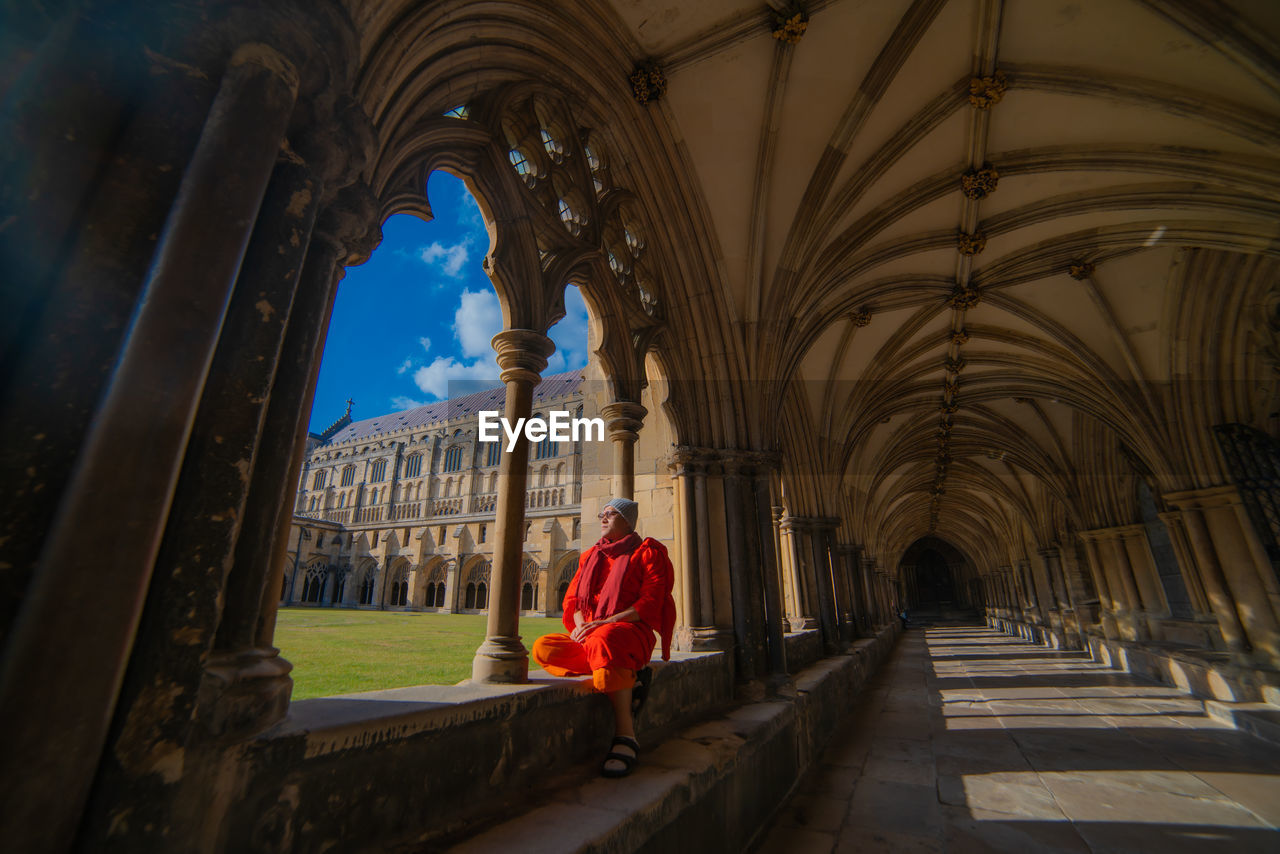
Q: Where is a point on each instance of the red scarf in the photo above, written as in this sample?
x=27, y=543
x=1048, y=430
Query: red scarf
x=596, y=575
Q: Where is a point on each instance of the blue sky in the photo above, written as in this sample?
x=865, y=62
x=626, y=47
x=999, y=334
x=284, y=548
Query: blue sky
x=418, y=316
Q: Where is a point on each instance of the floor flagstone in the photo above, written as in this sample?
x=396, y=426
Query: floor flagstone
x=972, y=741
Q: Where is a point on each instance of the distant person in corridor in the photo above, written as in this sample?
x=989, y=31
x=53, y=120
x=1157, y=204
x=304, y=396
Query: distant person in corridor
x=618, y=601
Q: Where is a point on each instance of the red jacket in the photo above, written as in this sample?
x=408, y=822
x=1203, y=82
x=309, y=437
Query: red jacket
x=646, y=587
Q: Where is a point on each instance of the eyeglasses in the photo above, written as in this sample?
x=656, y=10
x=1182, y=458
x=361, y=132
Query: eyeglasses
x=607, y=514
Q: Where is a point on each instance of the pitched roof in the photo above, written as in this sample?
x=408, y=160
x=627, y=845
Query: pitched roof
x=551, y=388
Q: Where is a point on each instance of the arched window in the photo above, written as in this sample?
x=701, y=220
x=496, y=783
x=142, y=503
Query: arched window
x=430, y=599
x=453, y=459
x=339, y=588
x=439, y=595
x=542, y=476
x=317, y=480
x=559, y=474
x=526, y=597
x=413, y=465
x=342, y=500
x=482, y=596
x=562, y=592
x=366, y=586
x=400, y=589
x=313, y=586
x=378, y=471
x=493, y=454
x=470, y=601
x=348, y=476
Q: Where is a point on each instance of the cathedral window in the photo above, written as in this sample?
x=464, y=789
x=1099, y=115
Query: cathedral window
x=378, y=471
x=317, y=482
x=413, y=465
x=348, y=476
x=453, y=459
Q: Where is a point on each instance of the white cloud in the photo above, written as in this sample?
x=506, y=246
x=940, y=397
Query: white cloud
x=469, y=211
x=404, y=366
x=426, y=343
x=400, y=402
x=477, y=320
x=570, y=334
x=450, y=259
x=434, y=379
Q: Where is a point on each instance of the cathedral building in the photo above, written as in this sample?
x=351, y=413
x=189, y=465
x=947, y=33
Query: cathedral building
x=398, y=511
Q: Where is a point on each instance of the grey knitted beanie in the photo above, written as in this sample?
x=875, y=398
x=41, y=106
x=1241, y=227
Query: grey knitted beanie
x=629, y=509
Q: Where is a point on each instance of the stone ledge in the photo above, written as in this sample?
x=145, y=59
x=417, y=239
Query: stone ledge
x=1201, y=673
x=422, y=763
x=710, y=788
x=1261, y=720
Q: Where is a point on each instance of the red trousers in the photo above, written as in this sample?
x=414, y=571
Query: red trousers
x=612, y=654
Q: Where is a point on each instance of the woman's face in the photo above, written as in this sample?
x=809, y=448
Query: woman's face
x=613, y=525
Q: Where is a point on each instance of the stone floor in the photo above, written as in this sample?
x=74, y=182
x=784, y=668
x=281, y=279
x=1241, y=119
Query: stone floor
x=970, y=741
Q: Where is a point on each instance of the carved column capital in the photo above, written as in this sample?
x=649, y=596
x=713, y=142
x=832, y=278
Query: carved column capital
x=623, y=420
x=522, y=354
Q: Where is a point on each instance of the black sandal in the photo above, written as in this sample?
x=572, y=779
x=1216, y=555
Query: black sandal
x=627, y=761
x=640, y=692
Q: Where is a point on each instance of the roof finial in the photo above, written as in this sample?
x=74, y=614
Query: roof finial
x=350, y=403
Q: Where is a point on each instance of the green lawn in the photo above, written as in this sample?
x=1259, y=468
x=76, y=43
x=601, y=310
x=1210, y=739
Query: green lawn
x=339, y=652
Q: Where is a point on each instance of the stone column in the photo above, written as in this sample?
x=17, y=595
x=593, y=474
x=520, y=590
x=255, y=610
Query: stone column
x=1133, y=619
x=1177, y=529
x=780, y=558
x=687, y=523
x=50, y=675
x=623, y=419
x=775, y=617
x=1107, y=602
x=744, y=589
x=451, y=580
x=838, y=555
x=801, y=618
x=820, y=562
x=245, y=671
x=522, y=355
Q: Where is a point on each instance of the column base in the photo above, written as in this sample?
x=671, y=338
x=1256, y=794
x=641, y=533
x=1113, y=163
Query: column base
x=243, y=692
x=801, y=624
x=710, y=639
x=502, y=660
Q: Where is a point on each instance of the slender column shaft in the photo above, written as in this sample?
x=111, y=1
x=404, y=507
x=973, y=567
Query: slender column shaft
x=522, y=355
x=688, y=545
x=706, y=594
x=1215, y=581
x=161, y=372
x=773, y=612
x=624, y=420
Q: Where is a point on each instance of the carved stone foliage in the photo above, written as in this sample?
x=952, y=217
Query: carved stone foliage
x=860, y=318
x=971, y=244
x=979, y=183
x=985, y=92
x=648, y=82
x=1081, y=270
x=790, y=24
x=965, y=297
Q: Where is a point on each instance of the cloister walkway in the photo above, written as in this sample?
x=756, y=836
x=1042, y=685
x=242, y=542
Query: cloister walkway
x=970, y=741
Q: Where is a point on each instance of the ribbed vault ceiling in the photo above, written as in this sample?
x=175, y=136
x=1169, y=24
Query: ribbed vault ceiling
x=978, y=239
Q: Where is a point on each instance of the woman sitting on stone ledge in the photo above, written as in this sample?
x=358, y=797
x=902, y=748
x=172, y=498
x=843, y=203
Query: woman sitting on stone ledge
x=620, y=595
